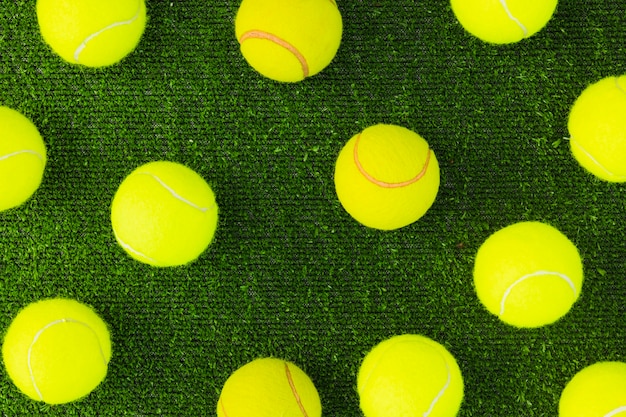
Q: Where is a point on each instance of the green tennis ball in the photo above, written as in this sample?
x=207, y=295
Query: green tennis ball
x=94, y=33
x=386, y=177
x=22, y=158
x=269, y=387
x=57, y=350
x=597, y=127
x=503, y=21
x=599, y=390
x=410, y=375
x=288, y=40
x=528, y=274
x=164, y=214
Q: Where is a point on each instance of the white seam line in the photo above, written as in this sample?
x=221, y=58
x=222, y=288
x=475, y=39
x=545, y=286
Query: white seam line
x=133, y=250
x=595, y=161
x=619, y=87
x=513, y=18
x=443, y=389
x=531, y=275
x=83, y=44
x=175, y=194
x=7, y=156
x=615, y=412
x=36, y=338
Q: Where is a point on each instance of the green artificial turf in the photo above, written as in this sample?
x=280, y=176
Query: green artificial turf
x=290, y=274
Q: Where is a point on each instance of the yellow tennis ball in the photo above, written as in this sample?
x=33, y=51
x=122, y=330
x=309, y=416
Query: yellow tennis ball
x=597, y=127
x=164, y=214
x=57, y=350
x=269, y=387
x=528, y=274
x=94, y=33
x=288, y=40
x=599, y=390
x=503, y=21
x=410, y=375
x=386, y=177
x=22, y=158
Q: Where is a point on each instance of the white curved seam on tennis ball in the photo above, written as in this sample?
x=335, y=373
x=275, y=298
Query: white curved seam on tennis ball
x=439, y=394
x=619, y=87
x=513, y=18
x=442, y=391
x=595, y=161
x=532, y=275
x=175, y=194
x=135, y=251
x=615, y=412
x=38, y=335
x=84, y=43
x=9, y=155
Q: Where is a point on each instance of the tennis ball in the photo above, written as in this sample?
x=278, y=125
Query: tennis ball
x=95, y=33
x=164, y=214
x=22, y=158
x=269, y=387
x=386, y=177
x=599, y=390
x=528, y=274
x=503, y=21
x=57, y=350
x=409, y=375
x=597, y=127
x=288, y=40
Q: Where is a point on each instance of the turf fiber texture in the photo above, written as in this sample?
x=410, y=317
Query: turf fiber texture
x=289, y=273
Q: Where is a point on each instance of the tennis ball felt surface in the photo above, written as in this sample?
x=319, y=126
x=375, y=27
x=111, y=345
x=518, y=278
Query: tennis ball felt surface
x=410, y=375
x=386, y=177
x=269, y=387
x=599, y=390
x=528, y=274
x=57, y=350
x=94, y=33
x=597, y=127
x=503, y=21
x=288, y=40
x=164, y=214
x=22, y=158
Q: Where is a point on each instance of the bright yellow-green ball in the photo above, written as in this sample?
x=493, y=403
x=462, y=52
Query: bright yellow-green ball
x=57, y=350
x=386, y=177
x=528, y=274
x=599, y=390
x=597, y=127
x=410, y=375
x=269, y=387
x=22, y=158
x=94, y=33
x=288, y=40
x=503, y=21
x=164, y=214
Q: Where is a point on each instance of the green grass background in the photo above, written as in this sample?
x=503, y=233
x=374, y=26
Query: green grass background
x=289, y=273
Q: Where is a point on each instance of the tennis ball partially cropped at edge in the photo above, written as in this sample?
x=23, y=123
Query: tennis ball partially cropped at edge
x=269, y=387
x=597, y=127
x=410, y=375
x=22, y=158
x=94, y=33
x=599, y=390
x=288, y=40
x=503, y=21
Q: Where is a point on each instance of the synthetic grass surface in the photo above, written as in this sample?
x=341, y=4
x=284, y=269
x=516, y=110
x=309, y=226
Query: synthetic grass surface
x=290, y=274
